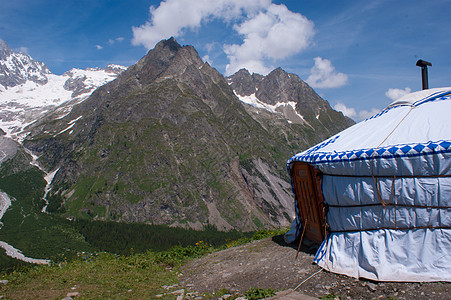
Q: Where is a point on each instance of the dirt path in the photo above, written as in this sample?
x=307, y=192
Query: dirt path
x=270, y=263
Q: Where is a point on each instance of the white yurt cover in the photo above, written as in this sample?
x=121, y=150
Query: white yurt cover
x=387, y=185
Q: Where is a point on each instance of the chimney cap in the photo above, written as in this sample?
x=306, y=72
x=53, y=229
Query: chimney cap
x=423, y=63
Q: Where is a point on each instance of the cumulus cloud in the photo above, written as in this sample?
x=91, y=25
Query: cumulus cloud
x=347, y=111
x=269, y=31
x=395, y=94
x=353, y=114
x=323, y=75
x=98, y=47
x=275, y=33
x=173, y=17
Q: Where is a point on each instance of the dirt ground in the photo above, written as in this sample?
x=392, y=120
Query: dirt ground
x=271, y=263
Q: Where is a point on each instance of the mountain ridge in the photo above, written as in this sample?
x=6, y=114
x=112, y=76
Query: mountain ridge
x=28, y=90
x=169, y=142
x=16, y=68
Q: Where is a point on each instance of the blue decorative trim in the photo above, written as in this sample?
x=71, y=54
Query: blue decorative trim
x=434, y=97
x=439, y=96
x=397, y=151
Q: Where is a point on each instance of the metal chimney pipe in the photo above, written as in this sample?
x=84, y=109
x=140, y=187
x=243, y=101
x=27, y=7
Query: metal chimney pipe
x=424, y=72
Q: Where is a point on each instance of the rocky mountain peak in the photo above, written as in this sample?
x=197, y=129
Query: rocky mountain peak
x=243, y=83
x=170, y=44
x=115, y=69
x=4, y=49
x=168, y=142
x=16, y=68
x=166, y=60
x=28, y=90
x=287, y=94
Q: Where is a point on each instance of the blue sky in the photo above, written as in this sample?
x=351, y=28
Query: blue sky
x=358, y=55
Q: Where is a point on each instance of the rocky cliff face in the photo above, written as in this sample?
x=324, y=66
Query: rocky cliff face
x=169, y=142
x=17, y=68
x=289, y=95
x=28, y=90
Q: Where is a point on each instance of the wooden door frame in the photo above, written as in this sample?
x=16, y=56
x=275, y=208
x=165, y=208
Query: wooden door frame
x=309, y=200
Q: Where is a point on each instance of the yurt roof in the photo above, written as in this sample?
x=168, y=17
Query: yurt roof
x=409, y=137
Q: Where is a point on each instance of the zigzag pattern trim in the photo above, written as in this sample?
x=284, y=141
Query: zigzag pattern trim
x=406, y=150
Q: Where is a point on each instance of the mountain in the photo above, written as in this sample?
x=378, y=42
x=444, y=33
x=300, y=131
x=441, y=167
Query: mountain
x=287, y=94
x=169, y=142
x=18, y=68
x=28, y=89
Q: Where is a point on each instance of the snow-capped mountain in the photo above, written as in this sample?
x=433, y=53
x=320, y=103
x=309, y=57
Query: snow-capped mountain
x=18, y=68
x=285, y=94
x=28, y=89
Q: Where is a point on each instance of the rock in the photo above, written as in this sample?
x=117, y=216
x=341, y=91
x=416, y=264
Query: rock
x=371, y=286
x=67, y=298
x=178, y=292
x=4, y=282
x=159, y=296
x=73, y=294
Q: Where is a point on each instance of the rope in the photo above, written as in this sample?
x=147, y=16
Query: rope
x=393, y=228
x=391, y=204
x=389, y=176
x=307, y=279
x=375, y=179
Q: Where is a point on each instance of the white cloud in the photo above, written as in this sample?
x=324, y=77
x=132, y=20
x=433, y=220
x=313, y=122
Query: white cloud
x=206, y=58
x=323, y=75
x=173, y=17
x=99, y=47
x=113, y=41
x=395, y=94
x=365, y=114
x=23, y=50
x=269, y=31
x=275, y=33
x=353, y=114
x=347, y=111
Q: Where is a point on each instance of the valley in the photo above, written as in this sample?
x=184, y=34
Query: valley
x=168, y=146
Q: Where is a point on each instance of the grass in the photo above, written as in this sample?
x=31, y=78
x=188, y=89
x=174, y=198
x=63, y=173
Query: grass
x=25, y=227
x=104, y=276
x=258, y=293
x=109, y=276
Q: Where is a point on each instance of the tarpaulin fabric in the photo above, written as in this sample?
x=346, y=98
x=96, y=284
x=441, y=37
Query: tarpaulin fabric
x=386, y=182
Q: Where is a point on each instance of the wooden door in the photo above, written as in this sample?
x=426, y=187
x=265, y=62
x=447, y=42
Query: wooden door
x=309, y=199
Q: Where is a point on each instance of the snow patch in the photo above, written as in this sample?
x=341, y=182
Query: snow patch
x=23, y=104
x=48, y=178
x=255, y=102
x=75, y=120
x=5, y=203
x=65, y=129
x=16, y=253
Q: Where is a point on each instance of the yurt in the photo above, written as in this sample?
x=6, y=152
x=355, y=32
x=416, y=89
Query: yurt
x=377, y=196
